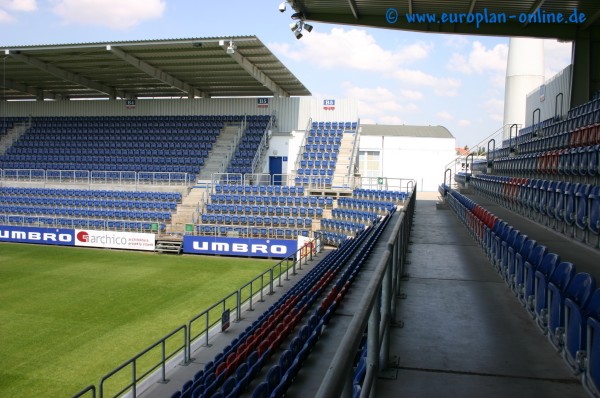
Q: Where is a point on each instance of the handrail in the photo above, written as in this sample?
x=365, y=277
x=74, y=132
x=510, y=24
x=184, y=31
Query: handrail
x=275, y=273
x=452, y=164
x=133, y=363
x=556, y=114
x=303, y=144
x=97, y=177
x=536, y=127
x=511, y=147
x=492, y=151
x=352, y=165
x=90, y=388
x=376, y=309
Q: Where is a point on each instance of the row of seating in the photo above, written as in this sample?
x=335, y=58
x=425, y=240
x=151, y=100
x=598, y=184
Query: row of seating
x=91, y=194
x=332, y=238
x=270, y=199
x=250, y=231
x=238, y=367
x=127, y=140
x=584, y=136
x=322, y=156
x=570, y=208
x=380, y=195
x=354, y=215
x=247, y=210
x=76, y=154
x=347, y=227
x=85, y=213
x=574, y=163
x=259, y=189
x=317, y=164
x=334, y=125
x=149, y=226
x=377, y=206
x=325, y=133
x=564, y=304
x=250, y=220
x=320, y=182
x=86, y=203
x=15, y=167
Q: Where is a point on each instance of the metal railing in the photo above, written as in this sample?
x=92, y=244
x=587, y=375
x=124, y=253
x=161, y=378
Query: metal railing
x=303, y=144
x=385, y=183
x=95, y=177
x=132, y=364
x=354, y=154
x=262, y=147
x=170, y=352
x=376, y=313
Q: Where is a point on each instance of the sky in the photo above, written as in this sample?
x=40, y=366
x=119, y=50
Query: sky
x=397, y=77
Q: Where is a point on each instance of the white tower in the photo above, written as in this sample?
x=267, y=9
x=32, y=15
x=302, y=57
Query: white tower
x=524, y=73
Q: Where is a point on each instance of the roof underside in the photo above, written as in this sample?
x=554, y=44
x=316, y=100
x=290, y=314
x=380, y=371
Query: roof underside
x=373, y=13
x=191, y=68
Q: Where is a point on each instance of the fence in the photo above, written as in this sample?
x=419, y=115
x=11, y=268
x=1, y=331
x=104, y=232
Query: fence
x=91, y=177
x=377, y=310
x=178, y=345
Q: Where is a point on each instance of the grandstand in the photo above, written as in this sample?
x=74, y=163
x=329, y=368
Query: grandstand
x=385, y=295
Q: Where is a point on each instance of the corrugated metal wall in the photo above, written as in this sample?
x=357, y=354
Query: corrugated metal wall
x=292, y=113
x=545, y=97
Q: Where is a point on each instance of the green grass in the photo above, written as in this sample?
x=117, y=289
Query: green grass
x=68, y=316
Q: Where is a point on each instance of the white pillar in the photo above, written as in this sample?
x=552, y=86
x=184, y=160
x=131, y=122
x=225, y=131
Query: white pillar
x=524, y=73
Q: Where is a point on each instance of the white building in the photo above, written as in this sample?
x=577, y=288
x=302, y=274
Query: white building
x=418, y=152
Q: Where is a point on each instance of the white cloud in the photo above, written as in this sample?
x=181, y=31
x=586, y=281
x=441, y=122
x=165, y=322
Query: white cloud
x=494, y=109
x=556, y=57
x=116, y=14
x=456, y=41
x=379, y=104
x=18, y=5
x=445, y=115
x=351, y=49
x=412, y=94
x=8, y=6
x=480, y=59
x=5, y=17
x=464, y=123
x=442, y=86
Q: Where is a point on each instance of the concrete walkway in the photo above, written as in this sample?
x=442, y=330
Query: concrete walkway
x=465, y=334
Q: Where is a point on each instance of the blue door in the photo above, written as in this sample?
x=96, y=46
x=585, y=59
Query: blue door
x=275, y=169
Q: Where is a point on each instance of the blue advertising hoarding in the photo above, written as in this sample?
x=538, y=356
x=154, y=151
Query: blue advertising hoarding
x=46, y=236
x=244, y=247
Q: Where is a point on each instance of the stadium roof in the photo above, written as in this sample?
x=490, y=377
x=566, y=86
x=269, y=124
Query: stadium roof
x=375, y=13
x=405, y=131
x=196, y=67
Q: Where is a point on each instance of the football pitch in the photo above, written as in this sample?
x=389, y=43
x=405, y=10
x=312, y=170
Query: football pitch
x=68, y=316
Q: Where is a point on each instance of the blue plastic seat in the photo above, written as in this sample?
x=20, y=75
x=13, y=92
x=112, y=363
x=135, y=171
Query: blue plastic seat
x=560, y=278
x=575, y=337
x=579, y=289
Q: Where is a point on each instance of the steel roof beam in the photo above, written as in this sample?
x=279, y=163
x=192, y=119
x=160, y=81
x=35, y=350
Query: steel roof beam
x=257, y=74
x=65, y=75
x=353, y=8
x=472, y=6
x=38, y=93
x=157, y=73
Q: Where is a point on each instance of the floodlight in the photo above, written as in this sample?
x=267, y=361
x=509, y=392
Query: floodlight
x=308, y=27
x=231, y=48
x=297, y=15
x=294, y=26
x=282, y=7
x=298, y=34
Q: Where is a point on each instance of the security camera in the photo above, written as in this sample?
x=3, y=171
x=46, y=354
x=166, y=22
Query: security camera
x=282, y=7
